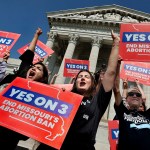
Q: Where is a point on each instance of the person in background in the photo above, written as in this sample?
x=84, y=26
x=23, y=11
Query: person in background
x=37, y=72
x=3, y=65
x=125, y=91
x=82, y=133
x=118, y=95
x=99, y=75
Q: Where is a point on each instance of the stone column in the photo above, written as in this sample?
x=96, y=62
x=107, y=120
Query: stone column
x=68, y=54
x=96, y=43
x=50, y=42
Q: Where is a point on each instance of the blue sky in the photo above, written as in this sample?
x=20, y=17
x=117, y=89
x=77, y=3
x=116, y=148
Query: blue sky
x=24, y=16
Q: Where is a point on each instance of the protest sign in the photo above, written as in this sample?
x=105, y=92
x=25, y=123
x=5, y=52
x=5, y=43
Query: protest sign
x=7, y=41
x=41, y=50
x=44, y=115
x=136, y=70
x=73, y=66
x=113, y=133
x=135, y=42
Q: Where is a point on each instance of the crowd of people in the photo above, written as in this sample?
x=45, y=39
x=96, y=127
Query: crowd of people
x=134, y=119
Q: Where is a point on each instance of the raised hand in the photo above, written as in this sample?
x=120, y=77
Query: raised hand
x=40, y=59
x=6, y=55
x=115, y=37
x=38, y=31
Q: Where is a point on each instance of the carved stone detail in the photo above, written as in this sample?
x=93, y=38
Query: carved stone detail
x=129, y=19
x=112, y=16
x=96, y=16
x=73, y=38
x=51, y=35
x=77, y=16
x=96, y=40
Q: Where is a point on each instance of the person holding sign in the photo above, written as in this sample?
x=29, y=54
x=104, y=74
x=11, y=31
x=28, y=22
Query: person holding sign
x=133, y=122
x=125, y=91
x=82, y=133
x=27, y=59
x=117, y=94
x=37, y=72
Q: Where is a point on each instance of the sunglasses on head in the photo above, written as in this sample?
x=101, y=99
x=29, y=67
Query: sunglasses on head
x=134, y=93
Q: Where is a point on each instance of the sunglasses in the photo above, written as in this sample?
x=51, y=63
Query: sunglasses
x=134, y=93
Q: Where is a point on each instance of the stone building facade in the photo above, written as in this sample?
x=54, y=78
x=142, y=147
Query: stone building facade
x=86, y=34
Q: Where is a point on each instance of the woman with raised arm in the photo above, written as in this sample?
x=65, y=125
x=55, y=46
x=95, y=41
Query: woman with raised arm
x=37, y=72
x=82, y=133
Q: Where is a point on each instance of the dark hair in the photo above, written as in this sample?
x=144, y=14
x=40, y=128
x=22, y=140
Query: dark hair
x=45, y=73
x=22, y=73
x=92, y=88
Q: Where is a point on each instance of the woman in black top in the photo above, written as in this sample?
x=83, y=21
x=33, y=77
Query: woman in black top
x=37, y=72
x=82, y=133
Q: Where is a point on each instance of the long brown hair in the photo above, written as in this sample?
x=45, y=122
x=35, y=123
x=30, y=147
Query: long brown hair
x=91, y=89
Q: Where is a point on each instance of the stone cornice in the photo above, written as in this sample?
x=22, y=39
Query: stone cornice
x=105, y=14
x=104, y=8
